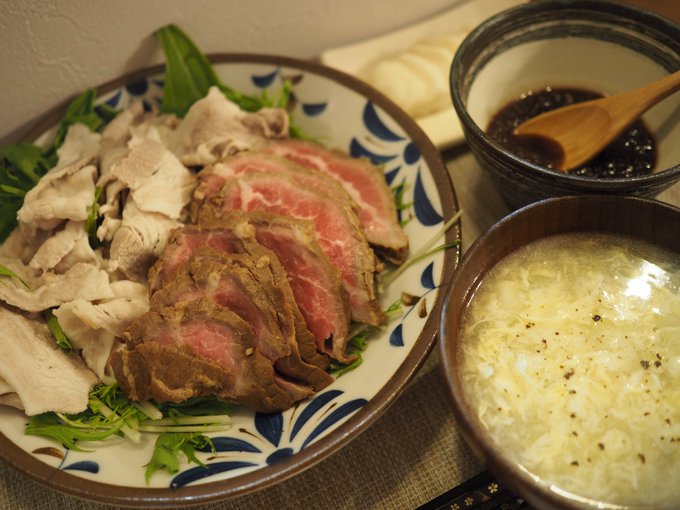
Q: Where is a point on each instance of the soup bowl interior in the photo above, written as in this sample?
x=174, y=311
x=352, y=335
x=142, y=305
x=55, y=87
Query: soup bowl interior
x=636, y=218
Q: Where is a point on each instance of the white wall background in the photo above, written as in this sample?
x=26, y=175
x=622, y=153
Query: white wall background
x=51, y=50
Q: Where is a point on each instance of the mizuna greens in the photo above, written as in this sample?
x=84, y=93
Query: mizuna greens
x=180, y=427
x=23, y=164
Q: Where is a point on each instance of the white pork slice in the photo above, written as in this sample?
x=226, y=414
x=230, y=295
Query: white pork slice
x=33, y=293
x=117, y=132
x=22, y=244
x=42, y=375
x=93, y=328
x=64, y=249
x=8, y=396
x=11, y=400
x=79, y=143
x=215, y=128
x=5, y=387
x=139, y=240
x=157, y=180
x=64, y=193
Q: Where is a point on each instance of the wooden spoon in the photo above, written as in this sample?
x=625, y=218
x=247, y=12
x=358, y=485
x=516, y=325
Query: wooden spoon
x=574, y=134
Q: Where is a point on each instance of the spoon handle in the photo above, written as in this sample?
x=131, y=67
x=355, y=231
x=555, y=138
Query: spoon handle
x=639, y=100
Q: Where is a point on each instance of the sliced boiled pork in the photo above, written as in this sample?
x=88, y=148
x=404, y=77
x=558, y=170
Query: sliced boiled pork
x=43, y=377
x=337, y=228
x=364, y=183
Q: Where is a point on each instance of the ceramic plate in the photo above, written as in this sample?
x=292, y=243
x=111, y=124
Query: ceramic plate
x=443, y=127
x=260, y=450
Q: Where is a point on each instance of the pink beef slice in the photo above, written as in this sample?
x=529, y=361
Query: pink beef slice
x=365, y=184
x=182, y=243
x=221, y=237
x=246, y=286
x=314, y=281
x=337, y=229
x=211, y=179
x=197, y=349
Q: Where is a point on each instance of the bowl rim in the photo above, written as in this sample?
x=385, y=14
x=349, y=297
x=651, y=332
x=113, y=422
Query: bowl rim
x=191, y=495
x=519, y=480
x=580, y=182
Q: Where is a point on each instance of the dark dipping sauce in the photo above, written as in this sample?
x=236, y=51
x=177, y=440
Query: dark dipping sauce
x=632, y=154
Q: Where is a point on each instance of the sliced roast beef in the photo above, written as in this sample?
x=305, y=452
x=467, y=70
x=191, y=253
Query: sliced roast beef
x=183, y=242
x=337, y=229
x=314, y=281
x=246, y=285
x=329, y=314
x=211, y=179
x=364, y=183
x=222, y=238
x=220, y=345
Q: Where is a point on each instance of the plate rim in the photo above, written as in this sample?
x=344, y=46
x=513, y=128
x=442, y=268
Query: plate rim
x=270, y=475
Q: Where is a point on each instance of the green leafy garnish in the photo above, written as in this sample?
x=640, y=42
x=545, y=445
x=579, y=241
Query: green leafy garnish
x=6, y=271
x=168, y=447
x=109, y=412
x=58, y=333
x=355, y=347
x=91, y=222
x=21, y=166
x=189, y=75
x=358, y=342
x=399, y=192
x=68, y=432
x=199, y=406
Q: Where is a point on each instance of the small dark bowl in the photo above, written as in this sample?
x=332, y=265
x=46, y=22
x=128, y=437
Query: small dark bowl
x=639, y=218
x=598, y=45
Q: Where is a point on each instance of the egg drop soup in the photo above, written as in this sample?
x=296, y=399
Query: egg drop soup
x=571, y=361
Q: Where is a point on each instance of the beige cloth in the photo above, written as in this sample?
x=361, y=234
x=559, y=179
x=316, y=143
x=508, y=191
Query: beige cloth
x=412, y=454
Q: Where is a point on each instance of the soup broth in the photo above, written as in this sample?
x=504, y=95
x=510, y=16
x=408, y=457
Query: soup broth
x=571, y=360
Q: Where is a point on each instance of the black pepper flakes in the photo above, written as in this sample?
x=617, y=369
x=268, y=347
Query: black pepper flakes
x=657, y=363
x=644, y=363
x=641, y=457
x=574, y=463
x=600, y=446
x=569, y=373
x=597, y=318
